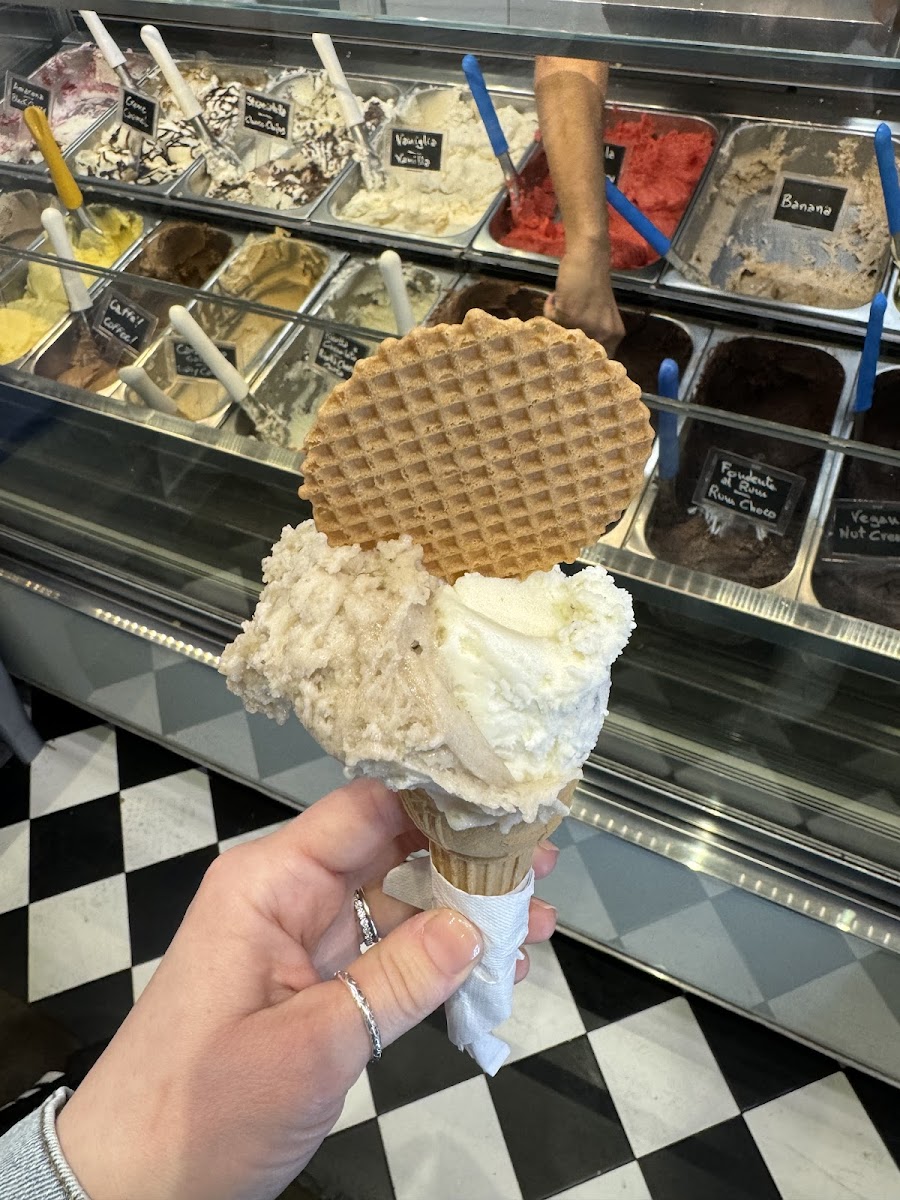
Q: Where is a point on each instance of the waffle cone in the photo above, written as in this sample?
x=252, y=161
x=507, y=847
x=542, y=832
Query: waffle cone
x=502, y=447
x=482, y=861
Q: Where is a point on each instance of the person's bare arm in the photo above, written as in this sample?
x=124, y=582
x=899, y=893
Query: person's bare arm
x=570, y=97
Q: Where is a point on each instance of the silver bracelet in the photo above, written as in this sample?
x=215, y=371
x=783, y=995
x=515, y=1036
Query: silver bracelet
x=366, y=1010
x=370, y=936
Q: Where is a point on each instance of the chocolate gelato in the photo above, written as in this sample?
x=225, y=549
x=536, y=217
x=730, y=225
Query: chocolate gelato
x=648, y=340
x=867, y=589
x=775, y=381
x=184, y=252
x=503, y=298
x=89, y=369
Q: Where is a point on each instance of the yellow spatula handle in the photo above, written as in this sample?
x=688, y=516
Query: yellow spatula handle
x=66, y=187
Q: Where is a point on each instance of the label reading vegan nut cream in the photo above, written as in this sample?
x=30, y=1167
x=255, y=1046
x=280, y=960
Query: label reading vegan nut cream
x=125, y=323
x=264, y=114
x=749, y=489
x=22, y=94
x=865, y=529
x=139, y=112
x=809, y=202
x=416, y=149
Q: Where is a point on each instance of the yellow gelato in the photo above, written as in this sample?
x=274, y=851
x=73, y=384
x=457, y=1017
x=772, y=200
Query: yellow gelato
x=24, y=322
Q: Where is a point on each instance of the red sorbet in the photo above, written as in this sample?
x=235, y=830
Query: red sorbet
x=660, y=172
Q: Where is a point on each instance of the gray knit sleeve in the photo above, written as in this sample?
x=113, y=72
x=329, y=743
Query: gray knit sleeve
x=32, y=1166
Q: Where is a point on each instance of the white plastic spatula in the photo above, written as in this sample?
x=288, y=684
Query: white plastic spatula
x=269, y=424
x=107, y=46
x=181, y=90
x=76, y=293
x=372, y=170
x=153, y=396
x=392, y=274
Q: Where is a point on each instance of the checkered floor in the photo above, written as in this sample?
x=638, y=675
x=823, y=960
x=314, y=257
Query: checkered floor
x=619, y=1085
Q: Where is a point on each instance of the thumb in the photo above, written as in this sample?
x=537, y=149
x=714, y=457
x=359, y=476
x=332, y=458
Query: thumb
x=404, y=977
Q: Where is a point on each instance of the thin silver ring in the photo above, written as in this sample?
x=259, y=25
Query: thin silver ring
x=365, y=1009
x=367, y=927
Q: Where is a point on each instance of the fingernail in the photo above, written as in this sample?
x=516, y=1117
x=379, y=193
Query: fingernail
x=451, y=941
x=544, y=905
x=546, y=844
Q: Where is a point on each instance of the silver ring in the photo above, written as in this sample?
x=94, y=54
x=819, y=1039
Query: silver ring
x=365, y=1009
x=367, y=928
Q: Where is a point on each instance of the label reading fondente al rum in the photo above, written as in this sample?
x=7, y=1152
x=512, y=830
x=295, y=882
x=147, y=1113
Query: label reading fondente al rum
x=751, y=490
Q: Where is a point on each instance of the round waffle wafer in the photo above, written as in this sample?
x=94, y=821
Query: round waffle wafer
x=501, y=447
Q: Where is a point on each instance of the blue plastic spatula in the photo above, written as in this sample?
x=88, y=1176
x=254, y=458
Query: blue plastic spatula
x=491, y=121
x=890, y=185
x=865, y=380
x=668, y=385
x=651, y=234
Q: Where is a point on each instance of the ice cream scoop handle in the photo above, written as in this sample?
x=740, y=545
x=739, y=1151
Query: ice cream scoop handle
x=349, y=104
x=637, y=220
x=230, y=378
x=865, y=381
x=39, y=128
x=153, y=396
x=667, y=423
x=187, y=101
x=392, y=274
x=76, y=292
x=887, y=168
x=485, y=105
x=101, y=35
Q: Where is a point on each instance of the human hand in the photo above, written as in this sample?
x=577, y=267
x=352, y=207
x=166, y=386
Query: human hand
x=234, y=1064
x=584, y=297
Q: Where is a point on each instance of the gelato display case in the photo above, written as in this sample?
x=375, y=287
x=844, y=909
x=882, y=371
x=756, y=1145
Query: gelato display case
x=754, y=724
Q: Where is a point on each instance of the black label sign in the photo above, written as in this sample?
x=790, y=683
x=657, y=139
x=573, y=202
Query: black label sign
x=865, y=529
x=339, y=354
x=139, y=112
x=416, y=149
x=190, y=365
x=124, y=323
x=613, y=157
x=808, y=202
x=750, y=490
x=265, y=114
x=22, y=93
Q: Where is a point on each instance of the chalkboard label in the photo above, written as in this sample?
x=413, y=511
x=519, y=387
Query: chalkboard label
x=416, y=149
x=190, y=365
x=750, y=490
x=124, y=322
x=339, y=354
x=613, y=157
x=139, y=112
x=265, y=114
x=865, y=529
x=22, y=93
x=809, y=202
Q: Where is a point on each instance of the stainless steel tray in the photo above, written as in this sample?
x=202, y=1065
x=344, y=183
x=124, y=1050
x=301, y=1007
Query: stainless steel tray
x=31, y=240
x=256, y=151
x=326, y=212
x=498, y=221
x=720, y=224
x=247, y=75
x=707, y=586
x=333, y=301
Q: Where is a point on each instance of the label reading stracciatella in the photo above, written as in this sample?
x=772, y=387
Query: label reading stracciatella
x=809, y=202
x=139, y=112
x=750, y=490
x=266, y=115
x=125, y=323
x=21, y=93
x=865, y=529
x=613, y=158
x=339, y=354
x=416, y=149
x=189, y=364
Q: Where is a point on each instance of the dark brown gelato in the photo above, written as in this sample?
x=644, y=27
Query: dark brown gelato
x=775, y=381
x=89, y=369
x=502, y=298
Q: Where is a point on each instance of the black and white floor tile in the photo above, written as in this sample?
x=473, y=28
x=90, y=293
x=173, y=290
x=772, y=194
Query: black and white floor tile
x=619, y=1086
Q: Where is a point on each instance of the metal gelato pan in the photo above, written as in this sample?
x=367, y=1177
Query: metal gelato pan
x=329, y=211
x=790, y=217
x=787, y=381
x=123, y=150
x=642, y=185
x=356, y=295
x=259, y=153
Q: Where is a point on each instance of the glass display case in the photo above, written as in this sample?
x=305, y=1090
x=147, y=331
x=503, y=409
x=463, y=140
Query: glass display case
x=754, y=728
